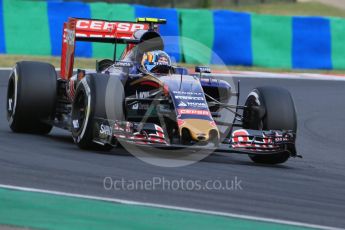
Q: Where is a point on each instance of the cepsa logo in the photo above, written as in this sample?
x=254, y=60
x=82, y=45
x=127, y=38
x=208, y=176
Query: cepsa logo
x=193, y=112
x=104, y=26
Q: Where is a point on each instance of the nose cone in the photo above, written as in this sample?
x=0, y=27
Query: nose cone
x=200, y=130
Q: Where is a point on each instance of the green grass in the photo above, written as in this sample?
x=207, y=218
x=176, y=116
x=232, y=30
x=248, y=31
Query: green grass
x=291, y=9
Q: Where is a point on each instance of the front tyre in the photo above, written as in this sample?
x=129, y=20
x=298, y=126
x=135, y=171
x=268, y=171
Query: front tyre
x=270, y=108
x=90, y=103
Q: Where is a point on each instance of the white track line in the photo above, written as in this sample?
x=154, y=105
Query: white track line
x=177, y=208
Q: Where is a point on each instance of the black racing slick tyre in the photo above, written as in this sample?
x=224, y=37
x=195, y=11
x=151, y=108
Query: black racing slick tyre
x=270, y=108
x=31, y=97
x=97, y=96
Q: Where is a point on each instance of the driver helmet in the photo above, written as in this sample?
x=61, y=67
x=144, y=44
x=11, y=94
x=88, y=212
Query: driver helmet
x=156, y=61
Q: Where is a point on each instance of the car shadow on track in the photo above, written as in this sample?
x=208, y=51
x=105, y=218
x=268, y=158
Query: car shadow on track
x=66, y=139
x=61, y=138
x=220, y=159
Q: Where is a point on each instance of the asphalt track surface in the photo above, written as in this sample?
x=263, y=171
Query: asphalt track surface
x=309, y=190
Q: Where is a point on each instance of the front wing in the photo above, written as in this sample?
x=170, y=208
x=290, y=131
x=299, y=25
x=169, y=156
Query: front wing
x=149, y=135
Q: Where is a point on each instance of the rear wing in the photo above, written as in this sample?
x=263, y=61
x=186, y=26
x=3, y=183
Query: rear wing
x=93, y=30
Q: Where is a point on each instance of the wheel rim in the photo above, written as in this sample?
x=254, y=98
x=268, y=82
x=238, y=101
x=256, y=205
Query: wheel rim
x=11, y=97
x=259, y=125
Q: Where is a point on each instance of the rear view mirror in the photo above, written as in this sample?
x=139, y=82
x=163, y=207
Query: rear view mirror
x=181, y=70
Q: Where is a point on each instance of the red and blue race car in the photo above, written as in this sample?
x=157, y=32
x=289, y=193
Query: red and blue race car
x=144, y=100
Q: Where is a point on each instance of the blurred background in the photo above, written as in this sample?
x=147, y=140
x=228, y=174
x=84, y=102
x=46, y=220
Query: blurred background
x=191, y=3
x=278, y=35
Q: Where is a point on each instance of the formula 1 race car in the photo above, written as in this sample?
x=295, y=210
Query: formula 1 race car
x=143, y=99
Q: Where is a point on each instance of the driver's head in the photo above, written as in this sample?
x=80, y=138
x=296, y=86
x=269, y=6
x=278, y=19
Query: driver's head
x=156, y=61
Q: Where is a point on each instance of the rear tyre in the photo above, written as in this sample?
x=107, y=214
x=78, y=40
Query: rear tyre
x=97, y=96
x=270, y=108
x=31, y=97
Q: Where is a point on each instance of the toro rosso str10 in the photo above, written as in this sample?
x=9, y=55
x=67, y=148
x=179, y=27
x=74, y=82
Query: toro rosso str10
x=143, y=99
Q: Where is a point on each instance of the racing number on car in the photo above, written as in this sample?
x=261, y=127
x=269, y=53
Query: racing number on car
x=238, y=137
